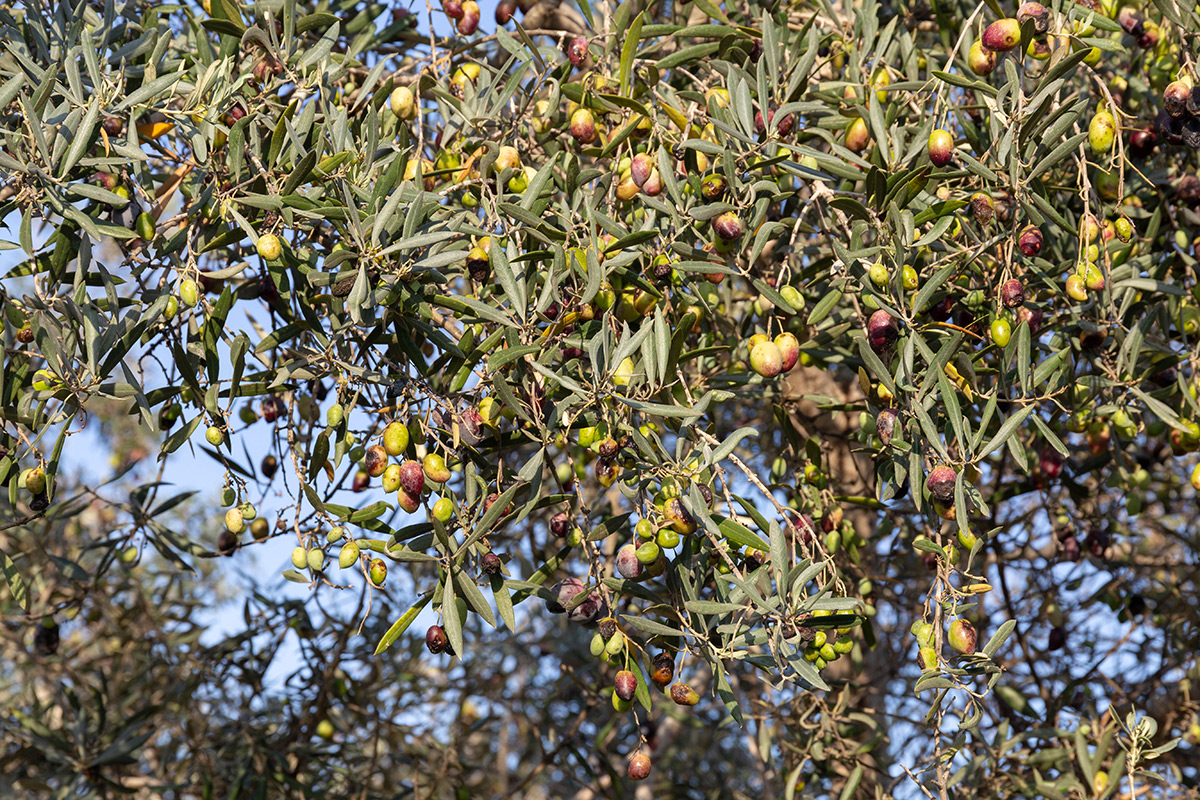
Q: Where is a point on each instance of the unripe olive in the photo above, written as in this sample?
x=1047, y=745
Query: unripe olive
x=315, y=558
x=335, y=415
x=967, y=539
x=268, y=246
x=443, y=510
x=791, y=295
x=395, y=438
x=234, y=521
x=35, y=480
x=1001, y=331
x=247, y=414
x=214, y=436
x=1102, y=131
x=260, y=529
x=879, y=275
x=880, y=81
x=436, y=469
x=643, y=529
x=145, y=226
x=390, y=481
x=167, y=416
x=377, y=571
x=403, y=103
x=299, y=558
x=1123, y=229
x=648, y=552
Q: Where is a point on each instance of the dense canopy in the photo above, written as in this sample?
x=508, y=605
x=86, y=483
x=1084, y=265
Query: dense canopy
x=654, y=399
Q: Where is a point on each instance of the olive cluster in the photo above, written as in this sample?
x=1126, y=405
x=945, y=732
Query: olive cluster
x=1179, y=120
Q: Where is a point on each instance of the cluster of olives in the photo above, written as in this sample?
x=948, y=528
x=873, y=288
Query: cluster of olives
x=1180, y=118
x=239, y=516
x=350, y=554
x=1005, y=35
x=961, y=637
x=773, y=357
x=857, y=136
x=407, y=478
x=1093, y=236
x=607, y=454
x=610, y=645
x=41, y=488
x=826, y=646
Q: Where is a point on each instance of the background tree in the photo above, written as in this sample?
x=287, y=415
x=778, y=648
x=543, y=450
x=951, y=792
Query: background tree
x=624, y=400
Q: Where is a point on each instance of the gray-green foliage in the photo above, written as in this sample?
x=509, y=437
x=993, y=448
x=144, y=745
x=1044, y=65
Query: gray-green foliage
x=573, y=338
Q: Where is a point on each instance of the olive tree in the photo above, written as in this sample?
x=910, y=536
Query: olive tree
x=744, y=400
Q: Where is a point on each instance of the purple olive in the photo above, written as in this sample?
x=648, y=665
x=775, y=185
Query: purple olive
x=940, y=484
x=882, y=331
x=1012, y=293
